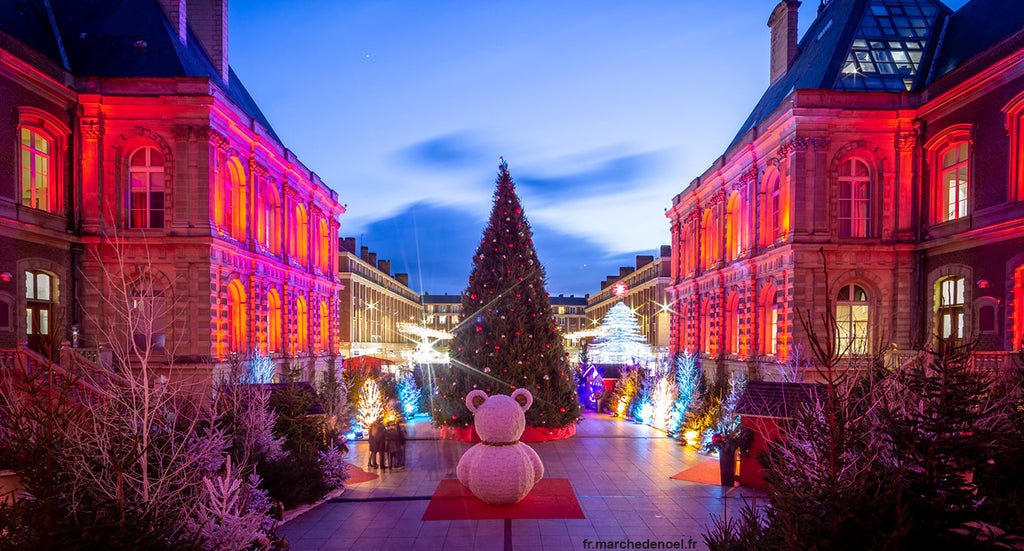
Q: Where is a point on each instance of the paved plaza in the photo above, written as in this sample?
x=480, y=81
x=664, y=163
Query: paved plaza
x=619, y=470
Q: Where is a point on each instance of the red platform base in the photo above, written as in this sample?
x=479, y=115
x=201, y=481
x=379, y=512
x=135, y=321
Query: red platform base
x=531, y=434
x=549, y=498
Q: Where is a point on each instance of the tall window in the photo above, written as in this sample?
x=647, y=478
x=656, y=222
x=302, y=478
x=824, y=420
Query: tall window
x=236, y=199
x=237, y=322
x=734, y=238
x=709, y=252
x=705, y=326
x=950, y=308
x=775, y=204
x=325, y=327
x=40, y=296
x=148, y=322
x=732, y=324
x=300, y=248
x=273, y=321
x=1018, y=309
x=38, y=189
x=770, y=311
x=853, y=313
x=272, y=238
x=953, y=181
x=854, y=199
x=302, y=325
x=146, y=189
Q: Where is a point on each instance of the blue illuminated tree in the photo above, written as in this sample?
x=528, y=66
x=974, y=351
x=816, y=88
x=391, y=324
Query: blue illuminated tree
x=622, y=342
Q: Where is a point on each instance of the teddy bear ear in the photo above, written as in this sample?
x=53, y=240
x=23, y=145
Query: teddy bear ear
x=475, y=399
x=523, y=397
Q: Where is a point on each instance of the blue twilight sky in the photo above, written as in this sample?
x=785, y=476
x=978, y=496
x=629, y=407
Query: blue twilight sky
x=603, y=110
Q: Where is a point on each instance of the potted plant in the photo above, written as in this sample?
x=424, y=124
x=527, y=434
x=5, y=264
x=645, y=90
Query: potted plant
x=727, y=444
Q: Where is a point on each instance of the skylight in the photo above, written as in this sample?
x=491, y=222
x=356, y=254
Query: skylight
x=887, y=49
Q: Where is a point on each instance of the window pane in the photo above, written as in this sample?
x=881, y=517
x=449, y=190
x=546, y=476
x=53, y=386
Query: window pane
x=44, y=322
x=30, y=285
x=138, y=158
x=28, y=321
x=42, y=287
x=156, y=158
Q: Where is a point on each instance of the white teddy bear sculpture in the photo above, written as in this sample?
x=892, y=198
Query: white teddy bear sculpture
x=500, y=470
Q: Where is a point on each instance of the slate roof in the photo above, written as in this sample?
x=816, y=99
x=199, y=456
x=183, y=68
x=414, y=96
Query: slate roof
x=427, y=298
x=99, y=40
x=974, y=28
x=777, y=400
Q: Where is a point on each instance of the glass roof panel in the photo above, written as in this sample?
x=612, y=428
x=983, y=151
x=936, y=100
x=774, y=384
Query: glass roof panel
x=889, y=31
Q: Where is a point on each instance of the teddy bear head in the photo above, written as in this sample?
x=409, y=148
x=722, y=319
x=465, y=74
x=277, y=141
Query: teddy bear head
x=499, y=418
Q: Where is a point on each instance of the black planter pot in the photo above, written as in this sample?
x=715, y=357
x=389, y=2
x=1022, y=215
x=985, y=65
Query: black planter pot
x=727, y=463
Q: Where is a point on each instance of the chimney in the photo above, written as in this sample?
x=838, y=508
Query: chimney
x=176, y=14
x=666, y=250
x=625, y=271
x=643, y=260
x=371, y=259
x=384, y=266
x=783, y=26
x=364, y=253
x=349, y=244
x=403, y=279
x=209, y=22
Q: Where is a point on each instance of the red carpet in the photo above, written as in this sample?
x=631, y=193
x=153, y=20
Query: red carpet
x=549, y=498
x=705, y=472
x=358, y=475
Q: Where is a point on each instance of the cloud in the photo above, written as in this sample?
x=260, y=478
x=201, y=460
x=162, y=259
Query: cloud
x=455, y=151
x=612, y=175
x=435, y=245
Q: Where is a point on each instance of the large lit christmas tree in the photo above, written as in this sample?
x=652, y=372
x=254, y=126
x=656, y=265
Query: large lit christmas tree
x=508, y=338
x=622, y=342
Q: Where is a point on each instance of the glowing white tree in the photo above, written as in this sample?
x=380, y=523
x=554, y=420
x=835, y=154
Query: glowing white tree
x=371, y=404
x=622, y=342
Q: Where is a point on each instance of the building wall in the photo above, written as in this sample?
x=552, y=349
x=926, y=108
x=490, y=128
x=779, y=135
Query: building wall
x=719, y=275
x=373, y=303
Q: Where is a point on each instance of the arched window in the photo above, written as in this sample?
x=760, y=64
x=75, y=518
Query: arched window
x=325, y=327
x=38, y=190
x=148, y=322
x=273, y=216
x=40, y=303
x=705, y=326
x=775, y=209
x=237, y=322
x=954, y=185
x=709, y=245
x=734, y=234
x=854, y=199
x=1018, y=309
x=301, y=325
x=236, y=199
x=274, y=319
x=770, y=322
x=949, y=308
x=146, y=188
x=732, y=324
x=853, y=315
x=300, y=245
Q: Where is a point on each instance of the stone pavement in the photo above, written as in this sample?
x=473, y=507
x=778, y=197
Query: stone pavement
x=619, y=470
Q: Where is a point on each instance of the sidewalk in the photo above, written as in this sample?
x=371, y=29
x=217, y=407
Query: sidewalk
x=619, y=470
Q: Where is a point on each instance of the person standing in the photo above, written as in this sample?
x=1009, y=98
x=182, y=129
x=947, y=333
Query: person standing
x=376, y=438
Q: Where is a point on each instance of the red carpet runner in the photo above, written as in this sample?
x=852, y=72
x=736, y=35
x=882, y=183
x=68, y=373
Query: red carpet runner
x=549, y=498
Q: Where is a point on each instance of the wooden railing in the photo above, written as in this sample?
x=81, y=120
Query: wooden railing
x=86, y=388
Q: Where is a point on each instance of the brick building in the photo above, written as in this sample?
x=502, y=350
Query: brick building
x=142, y=168
x=373, y=303
x=888, y=142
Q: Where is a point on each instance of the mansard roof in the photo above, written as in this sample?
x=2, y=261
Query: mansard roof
x=100, y=38
x=849, y=41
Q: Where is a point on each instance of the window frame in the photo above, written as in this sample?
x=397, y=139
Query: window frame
x=935, y=150
x=148, y=169
x=859, y=345
x=57, y=134
x=868, y=183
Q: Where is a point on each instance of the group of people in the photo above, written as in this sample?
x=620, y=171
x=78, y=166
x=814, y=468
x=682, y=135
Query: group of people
x=387, y=445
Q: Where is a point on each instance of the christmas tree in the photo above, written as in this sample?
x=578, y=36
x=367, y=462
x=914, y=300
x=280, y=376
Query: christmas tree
x=622, y=343
x=508, y=338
